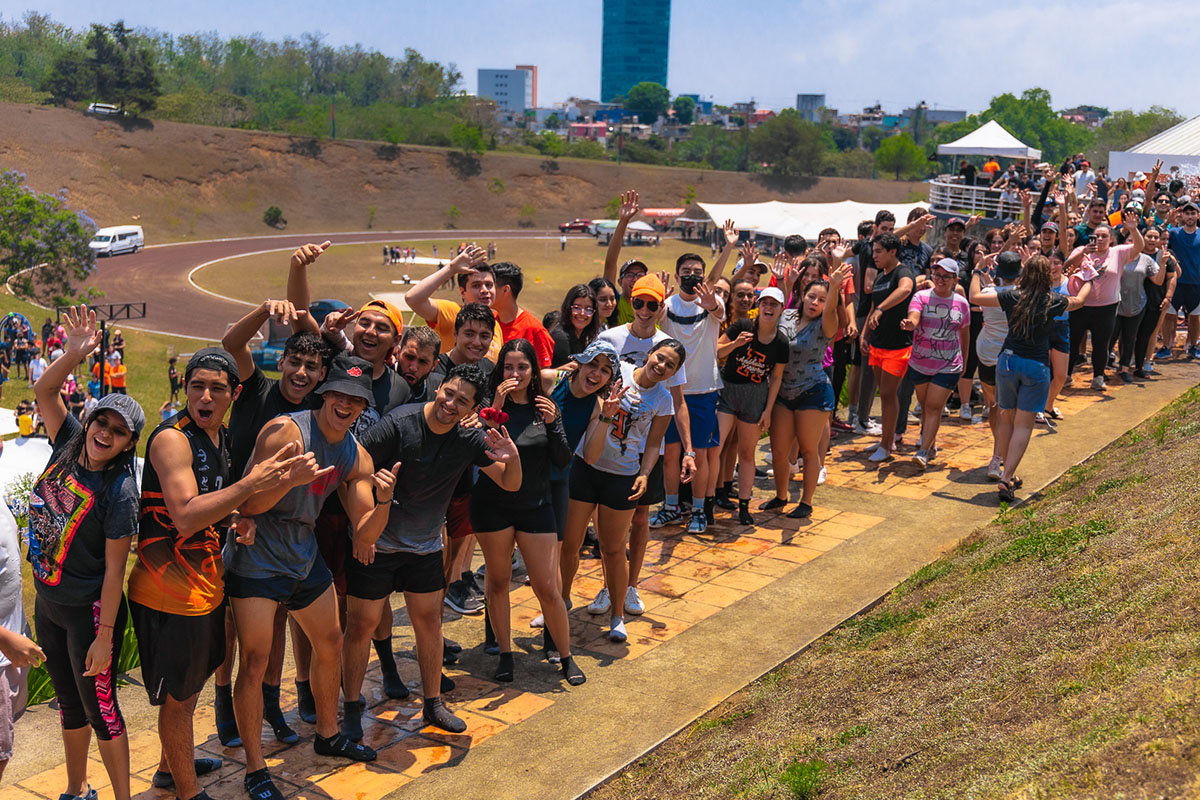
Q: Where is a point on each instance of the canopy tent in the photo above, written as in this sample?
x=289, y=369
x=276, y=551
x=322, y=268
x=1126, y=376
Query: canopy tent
x=777, y=219
x=990, y=139
x=1177, y=147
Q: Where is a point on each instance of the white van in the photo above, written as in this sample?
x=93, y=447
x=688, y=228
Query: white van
x=120, y=239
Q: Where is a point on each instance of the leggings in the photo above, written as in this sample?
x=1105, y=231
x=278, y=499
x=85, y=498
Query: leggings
x=841, y=362
x=65, y=633
x=1126, y=336
x=905, y=395
x=866, y=386
x=972, y=361
x=560, y=495
x=1145, y=332
x=1099, y=321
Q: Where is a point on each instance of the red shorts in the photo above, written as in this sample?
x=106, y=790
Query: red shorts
x=458, y=517
x=893, y=362
x=332, y=530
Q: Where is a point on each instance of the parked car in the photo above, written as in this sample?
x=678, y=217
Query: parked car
x=119, y=239
x=105, y=109
x=266, y=354
x=576, y=225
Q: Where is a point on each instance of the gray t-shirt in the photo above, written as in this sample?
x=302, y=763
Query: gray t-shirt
x=1133, y=285
x=284, y=543
x=12, y=614
x=625, y=437
x=991, y=337
x=807, y=344
x=430, y=466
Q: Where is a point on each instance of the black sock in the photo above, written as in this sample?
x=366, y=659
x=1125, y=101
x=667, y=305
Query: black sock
x=710, y=505
x=352, y=721
x=504, y=670
x=436, y=713
x=224, y=693
x=387, y=659
x=722, y=492
x=447, y=685
x=270, y=696
x=572, y=672
x=728, y=487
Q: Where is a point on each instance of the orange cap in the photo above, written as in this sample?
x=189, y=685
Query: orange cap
x=649, y=285
x=388, y=310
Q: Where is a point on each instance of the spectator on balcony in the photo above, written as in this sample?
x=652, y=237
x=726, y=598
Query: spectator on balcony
x=966, y=171
x=990, y=168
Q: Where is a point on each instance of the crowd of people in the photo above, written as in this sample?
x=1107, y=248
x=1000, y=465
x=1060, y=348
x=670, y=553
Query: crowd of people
x=384, y=453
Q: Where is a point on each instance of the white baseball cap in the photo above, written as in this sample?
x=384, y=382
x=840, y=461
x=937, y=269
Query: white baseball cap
x=772, y=292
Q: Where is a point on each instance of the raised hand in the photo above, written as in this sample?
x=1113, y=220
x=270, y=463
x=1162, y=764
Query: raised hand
x=839, y=275
x=780, y=266
x=612, y=403
x=385, y=483
x=500, y=446
x=749, y=253
x=467, y=260
x=82, y=334
x=337, y=320
x=306, y=254
x=284, y=312
x=706, y=297
x=837, y=255
x=547, y=407
x=731, y=233
x=629, y=206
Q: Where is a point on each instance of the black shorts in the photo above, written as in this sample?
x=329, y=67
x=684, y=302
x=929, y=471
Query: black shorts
x=293, y=593
x=987, y=374
x=590, y=485
x=487, y=516
x=394, y=572
x=178, y=653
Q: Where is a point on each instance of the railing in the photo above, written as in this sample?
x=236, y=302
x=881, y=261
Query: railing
x=948, y=196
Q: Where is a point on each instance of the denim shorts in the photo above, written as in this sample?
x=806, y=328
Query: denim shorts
x=815, y=398
x=1021, y=383
x=946, y=380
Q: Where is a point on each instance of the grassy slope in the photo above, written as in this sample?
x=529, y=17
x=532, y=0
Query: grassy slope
x=1054, y=654
x=193, y=182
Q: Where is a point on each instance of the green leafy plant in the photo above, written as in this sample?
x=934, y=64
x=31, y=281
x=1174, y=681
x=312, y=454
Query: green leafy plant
x=273, y=217
x=804, y=778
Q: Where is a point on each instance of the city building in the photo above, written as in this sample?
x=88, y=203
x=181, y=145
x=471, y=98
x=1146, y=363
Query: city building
x=512, y=89
x=935, y=116
x=704, y=108
x=532, y=68
x=809, y=106
x=634, y=45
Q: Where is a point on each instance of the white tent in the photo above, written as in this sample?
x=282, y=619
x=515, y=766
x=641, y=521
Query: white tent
x=1177, y=147
x=989, y=139
x=774, y=218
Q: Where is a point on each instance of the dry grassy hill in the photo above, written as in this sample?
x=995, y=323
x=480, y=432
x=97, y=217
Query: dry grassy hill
x=194, y=182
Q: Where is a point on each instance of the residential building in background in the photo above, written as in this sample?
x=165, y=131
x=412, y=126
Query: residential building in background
x=512, y=89
x=634, y=45
x=809, y=106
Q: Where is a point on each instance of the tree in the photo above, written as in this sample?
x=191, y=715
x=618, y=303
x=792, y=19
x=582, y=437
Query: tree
x=552, y=122
x=900, y=154
x=586, y=148
x=70, y=78
x=467, y=138
x=685, y=109
x=843, y=138
x=40, y=230
x=788, y=144
x=872, y=137
x=118, y=67
x=648, y=100
x=1123, y=129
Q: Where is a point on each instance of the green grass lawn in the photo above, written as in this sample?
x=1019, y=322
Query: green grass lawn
x=352, y=272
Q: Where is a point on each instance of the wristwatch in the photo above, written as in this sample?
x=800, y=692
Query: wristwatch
x=690, y=454
x=606, y=420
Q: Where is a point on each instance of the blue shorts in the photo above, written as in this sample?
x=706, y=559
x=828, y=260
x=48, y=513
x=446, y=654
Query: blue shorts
x=814, y=398
x=1060, y=336
x=702, y=413
x=1186, y=299
x=946, y=380
x=293, y=593
x=1021, y=383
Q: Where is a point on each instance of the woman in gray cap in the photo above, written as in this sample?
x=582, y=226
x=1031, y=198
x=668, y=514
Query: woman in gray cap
x=82, y=512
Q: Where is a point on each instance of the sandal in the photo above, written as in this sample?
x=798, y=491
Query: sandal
x=1054, y=413
x=1016, y=482
x=1005, y=492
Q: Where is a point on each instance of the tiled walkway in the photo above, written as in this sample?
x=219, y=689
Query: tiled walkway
x=686, y=580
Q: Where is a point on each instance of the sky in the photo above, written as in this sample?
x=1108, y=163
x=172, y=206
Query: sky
x=954, y=55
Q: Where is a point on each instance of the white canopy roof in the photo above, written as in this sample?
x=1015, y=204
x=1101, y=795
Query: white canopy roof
x=990, y=139
x=1179, y=140
x=774, y=218
x=1177, y=147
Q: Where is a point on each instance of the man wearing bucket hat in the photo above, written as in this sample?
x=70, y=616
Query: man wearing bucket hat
x=283, y=566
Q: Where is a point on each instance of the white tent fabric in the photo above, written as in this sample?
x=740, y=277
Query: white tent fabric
x=1177, y=147
x=989, y=139
x=774, y=218
x=636, y=226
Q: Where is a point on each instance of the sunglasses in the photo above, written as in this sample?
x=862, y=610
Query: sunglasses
x=587, y=312
x=638, y=304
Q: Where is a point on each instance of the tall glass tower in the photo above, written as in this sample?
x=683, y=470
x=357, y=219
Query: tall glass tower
x=636, y=35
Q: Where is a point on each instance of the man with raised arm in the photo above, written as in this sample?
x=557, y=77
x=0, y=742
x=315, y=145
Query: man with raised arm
x=475, y=285
x=632, y=270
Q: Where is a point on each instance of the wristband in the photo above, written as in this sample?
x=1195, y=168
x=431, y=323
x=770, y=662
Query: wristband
x=375, y=496
x=606, y=420
x=690, y=454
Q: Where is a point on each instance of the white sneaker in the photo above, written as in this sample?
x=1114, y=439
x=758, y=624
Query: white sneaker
x=995, y=471
x=880, y=455
x=538, y=622
x=964, y=413
x=821, y=476
x=601, y=604
x=633, y=602
x=1098, y=383
x=921, y=459
x=616, y=630
x=872, y=428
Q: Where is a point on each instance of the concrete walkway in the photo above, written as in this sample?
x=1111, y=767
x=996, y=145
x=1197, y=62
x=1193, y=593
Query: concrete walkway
x=723, y=608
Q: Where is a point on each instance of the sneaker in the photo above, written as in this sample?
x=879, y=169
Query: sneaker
x=697, y=523
x=1098, y=383
x=633, y=602
x=538, y=622
x=616, y=630
x=821, y=476
x=965, y=412
x=1194, y=351
x=1140, y=374
x=458, y=598
x=666, y=515
x=1126, y=377
x=759, y=473
x=921, y=458
x=518, y=565
x=1162, y=352
x=872, y=428
x=90, y=794
x=995, y=470
x=600, y=604
x=1149, y=368
x=879, y=456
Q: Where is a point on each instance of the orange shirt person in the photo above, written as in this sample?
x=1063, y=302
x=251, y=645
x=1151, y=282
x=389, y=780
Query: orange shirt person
x=108, y=384
x=118, y=374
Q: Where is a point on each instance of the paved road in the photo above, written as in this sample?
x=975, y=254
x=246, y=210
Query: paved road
x=158, y=275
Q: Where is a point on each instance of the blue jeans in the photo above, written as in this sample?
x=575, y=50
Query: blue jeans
x=1021, y=383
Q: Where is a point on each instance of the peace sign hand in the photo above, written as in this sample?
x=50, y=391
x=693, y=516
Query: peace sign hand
x=612, y=403
x=337, y=320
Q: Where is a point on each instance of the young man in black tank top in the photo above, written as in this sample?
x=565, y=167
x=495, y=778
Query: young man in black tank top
x=176, y=592
x=283, y=566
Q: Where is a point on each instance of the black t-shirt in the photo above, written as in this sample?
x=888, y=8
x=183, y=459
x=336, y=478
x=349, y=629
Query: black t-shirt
x=866, y=260
x=430, y=466
x=916, y=256
x=888, y=335
x=968, y=174
x=543, y=449
x=753, y=362
x=443, y=365
x=1036, y=344
x=259, y=402
x=72, y=513
x=566, y=344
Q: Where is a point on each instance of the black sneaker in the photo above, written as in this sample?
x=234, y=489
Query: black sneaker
x=475, y=595
x=259, y=786
x=341, y=747
x=203, y=766
x=458, y=598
